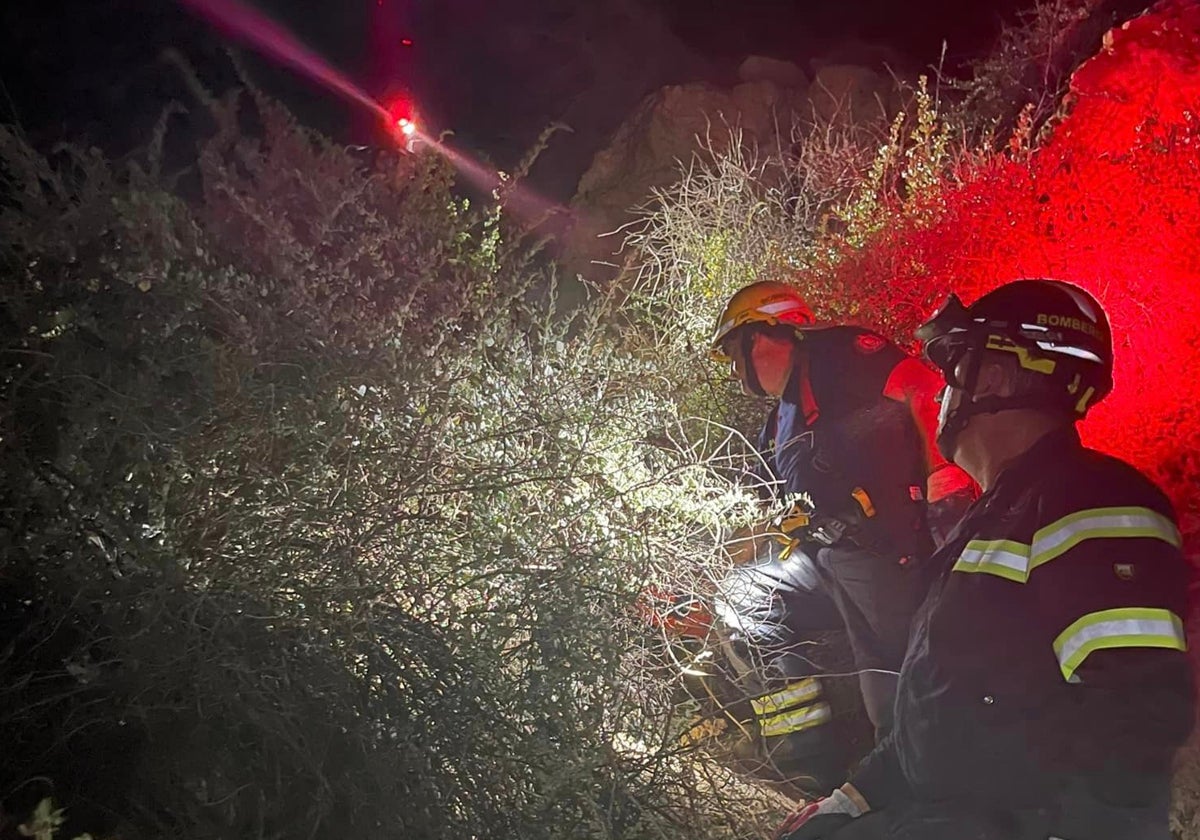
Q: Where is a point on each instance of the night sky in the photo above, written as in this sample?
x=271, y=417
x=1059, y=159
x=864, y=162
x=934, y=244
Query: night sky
x=494, y=71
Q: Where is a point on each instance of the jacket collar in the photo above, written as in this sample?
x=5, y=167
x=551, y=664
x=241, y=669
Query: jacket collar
x=1022, y=469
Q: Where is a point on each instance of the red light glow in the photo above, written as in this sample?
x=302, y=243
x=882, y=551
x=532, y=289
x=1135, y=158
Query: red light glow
x=400, y=109
x=402, y=120
x=1111, y=202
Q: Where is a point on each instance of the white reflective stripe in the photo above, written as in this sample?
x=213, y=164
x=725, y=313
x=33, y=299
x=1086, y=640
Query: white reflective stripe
x=1061, y=536
x=1003, y=558
x=780, y=307
x=1117, y=628
x=792, y=695
x=796, y=720
x=1068, y=350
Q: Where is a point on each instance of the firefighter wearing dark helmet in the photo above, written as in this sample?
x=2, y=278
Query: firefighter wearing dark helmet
x=1046, y=685
x=852, y=464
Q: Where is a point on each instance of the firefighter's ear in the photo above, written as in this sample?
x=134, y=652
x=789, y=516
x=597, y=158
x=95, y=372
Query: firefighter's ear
x=995, y=377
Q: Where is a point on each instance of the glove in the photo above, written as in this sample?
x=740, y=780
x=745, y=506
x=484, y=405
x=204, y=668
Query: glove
x=681, y=616
x=823, y=817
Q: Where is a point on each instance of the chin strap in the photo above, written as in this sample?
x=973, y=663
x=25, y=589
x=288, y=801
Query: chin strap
x=958, y=417
x=952, y=422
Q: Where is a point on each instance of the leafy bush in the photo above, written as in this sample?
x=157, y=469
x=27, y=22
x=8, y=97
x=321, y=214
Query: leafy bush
x=320, y=520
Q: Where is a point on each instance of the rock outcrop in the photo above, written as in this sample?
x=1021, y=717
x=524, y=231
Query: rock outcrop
x=679, y=121
x=852, y=94
x=761, y=68
x=665, y=131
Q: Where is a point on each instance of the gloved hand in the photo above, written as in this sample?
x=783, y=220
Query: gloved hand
x=682, y=616
x=823, y=817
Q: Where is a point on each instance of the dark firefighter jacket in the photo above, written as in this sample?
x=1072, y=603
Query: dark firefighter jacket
x=859, y=413
x=1050, y=650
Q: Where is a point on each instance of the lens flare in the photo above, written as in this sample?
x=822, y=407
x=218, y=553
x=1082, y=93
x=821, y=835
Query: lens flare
x=398, y=117
x=252, y=27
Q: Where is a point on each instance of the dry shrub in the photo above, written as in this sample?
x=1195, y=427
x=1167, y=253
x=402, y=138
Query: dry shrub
x=321, y=520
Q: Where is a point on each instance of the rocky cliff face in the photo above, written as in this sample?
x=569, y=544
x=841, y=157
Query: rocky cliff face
x=677, y=122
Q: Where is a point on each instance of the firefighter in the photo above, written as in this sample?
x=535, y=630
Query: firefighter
x=851, y=460
x=1046, y=684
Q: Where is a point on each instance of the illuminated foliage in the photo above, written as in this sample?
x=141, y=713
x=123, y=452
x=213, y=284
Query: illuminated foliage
x=322, y=520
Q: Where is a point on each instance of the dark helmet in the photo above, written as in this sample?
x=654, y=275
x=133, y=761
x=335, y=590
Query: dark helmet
x=1053, y=328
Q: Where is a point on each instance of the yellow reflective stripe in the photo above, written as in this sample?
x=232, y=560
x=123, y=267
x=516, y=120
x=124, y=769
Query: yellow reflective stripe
x=792, y=695
x=1061, y=536
x=1003, y=558
x=1117, y=628
x=1024, y=356
x=796, y=720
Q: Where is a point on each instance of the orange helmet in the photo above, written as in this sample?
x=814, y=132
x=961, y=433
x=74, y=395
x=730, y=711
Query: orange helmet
x=767, y=302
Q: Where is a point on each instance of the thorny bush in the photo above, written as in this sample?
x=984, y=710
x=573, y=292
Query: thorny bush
x=320, y=520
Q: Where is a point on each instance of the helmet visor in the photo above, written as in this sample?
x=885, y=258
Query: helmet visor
x=946, y=336
x=950, y=317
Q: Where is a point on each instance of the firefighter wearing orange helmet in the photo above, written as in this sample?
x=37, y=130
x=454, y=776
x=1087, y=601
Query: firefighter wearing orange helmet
x=1046, y=685
x=853, y=468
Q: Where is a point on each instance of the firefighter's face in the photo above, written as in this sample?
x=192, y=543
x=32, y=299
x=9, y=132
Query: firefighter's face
x=958, y=425
x=739, y=363
x=771, y=358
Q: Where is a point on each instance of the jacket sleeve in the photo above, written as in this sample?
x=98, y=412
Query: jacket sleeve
x=1111, y=583
x=878, y=777
x=762, y=472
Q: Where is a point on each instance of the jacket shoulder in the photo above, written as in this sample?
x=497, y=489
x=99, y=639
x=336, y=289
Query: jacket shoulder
x=863, y=341
x=1083, y=479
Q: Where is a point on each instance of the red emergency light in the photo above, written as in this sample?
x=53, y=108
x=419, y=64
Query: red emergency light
x=400, y=109
x=402, y=119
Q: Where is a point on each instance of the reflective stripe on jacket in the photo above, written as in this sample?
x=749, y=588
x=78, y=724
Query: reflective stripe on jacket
x=793, y=708
x=1051, y=648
